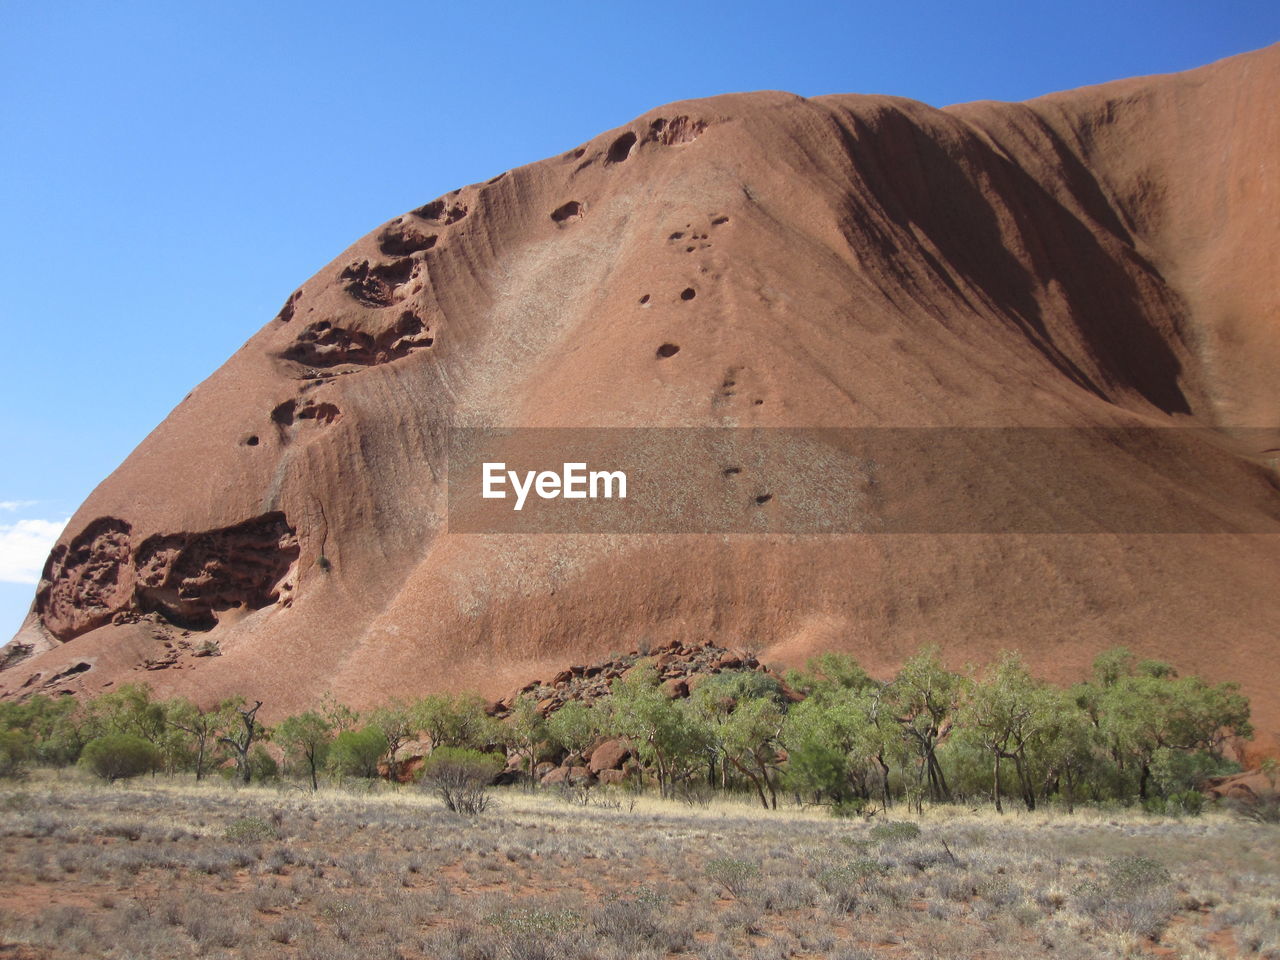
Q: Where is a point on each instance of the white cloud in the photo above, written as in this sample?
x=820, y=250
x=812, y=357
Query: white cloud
x=11, y=505
x=24, y=547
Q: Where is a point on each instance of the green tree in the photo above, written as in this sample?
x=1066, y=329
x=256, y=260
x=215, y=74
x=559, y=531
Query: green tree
x=1068, y=746
x=923, y=698
x=524, y=729
x=200, y=727
x=239, y=731
x=455, y=720
x=16, y=750
x=305, y=739
x=573, y=727
x=339, y=716
x=833, y=744
x=840, y=739
x=828, y=673
x=398, y=722
x=749, y=736
x=664, y=737
x=130, y=710
x=1008, y=712
x=54, y=727
x=714, y=700
x=1140, y=713
x=355, y=753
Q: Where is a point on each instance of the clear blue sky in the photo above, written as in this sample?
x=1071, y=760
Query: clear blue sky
x=170, y=172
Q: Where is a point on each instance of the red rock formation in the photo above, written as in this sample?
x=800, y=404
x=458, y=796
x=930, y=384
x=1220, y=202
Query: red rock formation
x=1103, y=257
x=1249, y=786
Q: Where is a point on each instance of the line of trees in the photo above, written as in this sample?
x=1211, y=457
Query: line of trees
x=829, y=733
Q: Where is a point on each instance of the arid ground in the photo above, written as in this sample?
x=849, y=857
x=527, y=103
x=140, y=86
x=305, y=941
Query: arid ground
x=171, y=868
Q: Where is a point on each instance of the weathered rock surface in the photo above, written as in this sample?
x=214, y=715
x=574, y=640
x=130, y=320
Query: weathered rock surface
x=610, y=755
x=1102, y=257
x=678, y=666
x=1248, y=786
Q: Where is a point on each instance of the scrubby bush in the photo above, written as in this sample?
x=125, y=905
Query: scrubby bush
x=640, y=923
x=262, y=765
x=459, y=777
x=1186, y=803
x=850, y=882
x=118, y=756
x=15, y=753
x=1262, y=810
x=854, y=807
x=1133, y=895
x=250, y=830
x=355, y=753
x=895, y=831
x=736, y=876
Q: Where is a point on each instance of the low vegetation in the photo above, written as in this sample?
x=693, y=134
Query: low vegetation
x=829, y=735
x=164, y=866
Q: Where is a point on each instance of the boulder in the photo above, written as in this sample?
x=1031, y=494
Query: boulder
x=609, y=755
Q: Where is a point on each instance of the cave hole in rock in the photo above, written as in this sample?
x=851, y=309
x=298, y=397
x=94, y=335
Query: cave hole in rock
x=620, y=149
x=283, y=414
x=732, y=471
x=567, y=211
x=71, y=671
x=645, y=298
x=688, y=293
x=404, y=239
x=440, y=211
x=668, y=350
x=719, y=220
x=251, y=440
x=763, y=499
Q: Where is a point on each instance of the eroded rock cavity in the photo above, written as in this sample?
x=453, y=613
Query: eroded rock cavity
x=88, y=580
x=186, y=577
x=322, y=344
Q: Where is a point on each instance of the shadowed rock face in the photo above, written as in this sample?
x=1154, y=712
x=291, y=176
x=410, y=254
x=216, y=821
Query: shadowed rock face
x=1103, y=257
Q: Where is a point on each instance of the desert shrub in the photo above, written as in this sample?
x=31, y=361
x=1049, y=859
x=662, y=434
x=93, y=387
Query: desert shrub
x=1136, y=872
x=250, y=830
x=782, y=892
x=1179, y=771
x=1186, y=803
x=1262, y=810
x=210, y=928
x=355, y=753
x=459, y=776
x=847, y=883
x=1132, y=895
x=529, y=934
x=853, y=807
x=895, y=831
x=639, y=922
x=292, y=930
x=118, y=756
x=736, y=876
x=15, y=754
x=262, y=765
